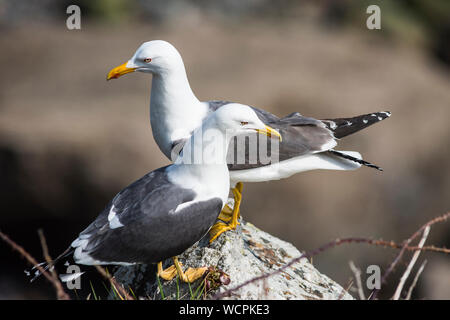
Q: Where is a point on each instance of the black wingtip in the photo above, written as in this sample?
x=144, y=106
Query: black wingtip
x=370, y=165
x=387, y=113
x=360, y=161
x=343, y=127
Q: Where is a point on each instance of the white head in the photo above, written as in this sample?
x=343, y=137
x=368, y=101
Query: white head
x=156, y=57
x=236, y=119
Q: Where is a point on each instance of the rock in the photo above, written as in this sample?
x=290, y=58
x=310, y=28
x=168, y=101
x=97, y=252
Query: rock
x=242, y=255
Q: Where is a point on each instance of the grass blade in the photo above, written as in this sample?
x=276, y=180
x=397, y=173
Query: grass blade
x=160, y=288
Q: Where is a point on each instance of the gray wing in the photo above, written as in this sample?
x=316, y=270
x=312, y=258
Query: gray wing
x=301, y=135
x=151, y=230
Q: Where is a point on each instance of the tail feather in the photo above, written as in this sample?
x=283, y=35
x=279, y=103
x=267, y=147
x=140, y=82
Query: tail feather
x=342, y=127
x=349, y=157
x=36, y=273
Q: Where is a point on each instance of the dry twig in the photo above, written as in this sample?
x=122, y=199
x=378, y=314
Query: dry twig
x=357, y=273
x=33, y=262
x=346, y=290
x=60, y=293
x=413, y=285
x=405, y=275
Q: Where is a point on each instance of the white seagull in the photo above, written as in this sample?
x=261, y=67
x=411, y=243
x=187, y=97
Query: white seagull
x=168, y=210
x=175, y=112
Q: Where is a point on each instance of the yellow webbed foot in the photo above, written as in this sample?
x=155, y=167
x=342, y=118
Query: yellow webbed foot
x=167, y=274
x=226, y=214
x=191, y=274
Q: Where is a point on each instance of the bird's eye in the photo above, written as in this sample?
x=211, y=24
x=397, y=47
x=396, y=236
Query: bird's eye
x=243, y=123
x=147, y=60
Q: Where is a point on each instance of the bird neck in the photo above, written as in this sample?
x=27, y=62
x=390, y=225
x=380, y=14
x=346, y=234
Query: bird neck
x=171, y=89
x=174, y=109
x=202, y=165
x=207, y=146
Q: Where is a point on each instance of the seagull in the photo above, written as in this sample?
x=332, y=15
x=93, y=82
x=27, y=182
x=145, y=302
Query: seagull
x=169, y=209
x=175, y=112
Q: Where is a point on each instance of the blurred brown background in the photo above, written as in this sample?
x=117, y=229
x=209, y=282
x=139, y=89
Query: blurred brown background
x=69, y=140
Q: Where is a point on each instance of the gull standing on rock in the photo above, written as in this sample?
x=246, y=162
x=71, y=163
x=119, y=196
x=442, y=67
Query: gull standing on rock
x=168, y=210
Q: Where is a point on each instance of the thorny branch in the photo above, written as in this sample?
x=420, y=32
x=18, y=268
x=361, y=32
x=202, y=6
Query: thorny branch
x=306, y=255
x=405, y=244
x=338, y=242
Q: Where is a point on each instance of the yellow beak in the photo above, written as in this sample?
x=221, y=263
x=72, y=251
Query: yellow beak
x=119, y=71
x=268, y=131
